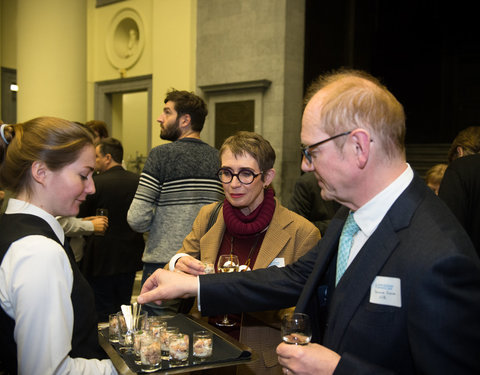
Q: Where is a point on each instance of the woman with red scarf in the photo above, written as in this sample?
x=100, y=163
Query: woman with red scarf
x=253, y=225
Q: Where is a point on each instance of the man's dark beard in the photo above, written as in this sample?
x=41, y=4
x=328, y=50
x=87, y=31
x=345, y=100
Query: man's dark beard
x=171, y=133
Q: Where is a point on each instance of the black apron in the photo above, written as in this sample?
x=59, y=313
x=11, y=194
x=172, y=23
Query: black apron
x=85, y=335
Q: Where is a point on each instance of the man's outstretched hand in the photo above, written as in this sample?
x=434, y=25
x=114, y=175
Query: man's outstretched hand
x=166, y=285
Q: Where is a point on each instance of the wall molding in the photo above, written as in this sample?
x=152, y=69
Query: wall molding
x=261, y=84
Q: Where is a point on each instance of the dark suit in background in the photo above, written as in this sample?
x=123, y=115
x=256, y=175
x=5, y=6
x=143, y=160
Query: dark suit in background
x=460, y=190
x=307, y=202
x=111, y=261
x=435, y=331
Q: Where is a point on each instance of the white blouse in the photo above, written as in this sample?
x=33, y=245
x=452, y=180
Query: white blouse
x=36, y=281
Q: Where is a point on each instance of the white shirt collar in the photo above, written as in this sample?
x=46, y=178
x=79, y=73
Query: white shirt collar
x=16, y=206
x=369, y=216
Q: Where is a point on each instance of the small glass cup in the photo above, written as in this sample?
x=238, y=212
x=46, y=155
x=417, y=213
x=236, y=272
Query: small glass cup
x=141, y=322
x=150, y=321
x=178, y=349
x=101, y=212
x=137, y=344
x=150, y=353
x=157, y=326
x=164, y=336
x=122, y=328
x=126, y=338
x=113, y=328
x=296, y=329
x=202, y=345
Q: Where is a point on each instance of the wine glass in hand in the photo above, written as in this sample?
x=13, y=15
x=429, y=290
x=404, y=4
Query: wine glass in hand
x=227, y=263
x=296, y=329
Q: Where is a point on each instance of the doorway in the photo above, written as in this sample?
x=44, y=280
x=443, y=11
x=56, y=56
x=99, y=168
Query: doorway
x=126, y=106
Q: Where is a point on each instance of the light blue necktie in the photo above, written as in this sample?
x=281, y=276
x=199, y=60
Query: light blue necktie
x=349, y=230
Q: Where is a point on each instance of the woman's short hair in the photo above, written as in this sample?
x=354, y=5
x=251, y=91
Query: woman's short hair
x=253, y=144
x=54, y=141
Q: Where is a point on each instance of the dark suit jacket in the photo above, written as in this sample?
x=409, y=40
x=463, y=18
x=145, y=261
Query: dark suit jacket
x=435, y=331
x=307, y=202
x=120, y=249
x=460, y=190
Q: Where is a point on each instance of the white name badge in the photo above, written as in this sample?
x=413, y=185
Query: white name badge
x=279, y=262
x=386, y=291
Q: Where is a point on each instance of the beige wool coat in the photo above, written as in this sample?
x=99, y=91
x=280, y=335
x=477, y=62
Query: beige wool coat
x=288, y=237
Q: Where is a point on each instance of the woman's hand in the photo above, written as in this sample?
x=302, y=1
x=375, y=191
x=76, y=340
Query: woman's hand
x=190, y=265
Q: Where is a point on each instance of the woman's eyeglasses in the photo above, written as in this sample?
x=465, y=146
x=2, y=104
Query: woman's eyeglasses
x=245, y=176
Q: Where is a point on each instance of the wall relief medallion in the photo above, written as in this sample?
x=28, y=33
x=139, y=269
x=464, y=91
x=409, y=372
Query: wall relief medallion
x=125, y=39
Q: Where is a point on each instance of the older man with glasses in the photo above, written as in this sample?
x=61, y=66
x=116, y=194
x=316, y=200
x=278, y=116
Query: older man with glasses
x=394, y=285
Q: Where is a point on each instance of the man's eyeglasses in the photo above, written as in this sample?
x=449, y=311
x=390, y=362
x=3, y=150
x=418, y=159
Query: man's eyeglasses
x=245, y=176
x=306, y=149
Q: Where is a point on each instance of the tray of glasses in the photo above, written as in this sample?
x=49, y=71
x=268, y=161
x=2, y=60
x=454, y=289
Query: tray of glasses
x=226, y=350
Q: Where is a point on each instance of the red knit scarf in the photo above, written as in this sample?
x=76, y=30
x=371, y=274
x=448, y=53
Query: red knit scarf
x=240, y=225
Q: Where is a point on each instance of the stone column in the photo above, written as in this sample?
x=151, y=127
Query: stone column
x=51, y=59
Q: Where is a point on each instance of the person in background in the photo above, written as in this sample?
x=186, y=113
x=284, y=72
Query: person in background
x=253, y=225
x=460, y=190
x=76, y=228
x=6, y=196
x=2, y=196
x=98, y=128
x=47, y=314
x=394, y=285
x=307, y=201
x=177, y=180
x=467, y=142
x=434, y=176
x=112, y=259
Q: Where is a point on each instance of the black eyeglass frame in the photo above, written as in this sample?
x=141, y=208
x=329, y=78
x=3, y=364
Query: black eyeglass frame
x=237, y=175
x=305, y=149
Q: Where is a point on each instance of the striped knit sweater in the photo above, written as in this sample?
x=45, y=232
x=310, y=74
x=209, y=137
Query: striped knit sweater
x=177, y=180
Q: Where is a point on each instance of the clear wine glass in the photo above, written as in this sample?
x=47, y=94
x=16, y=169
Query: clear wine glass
x=296, y=329
x=227, y=263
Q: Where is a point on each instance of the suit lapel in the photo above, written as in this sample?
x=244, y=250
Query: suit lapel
x=354, y=287
x=355, y=284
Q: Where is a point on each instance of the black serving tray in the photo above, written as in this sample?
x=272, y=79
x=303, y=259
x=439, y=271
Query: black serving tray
x=226, y=350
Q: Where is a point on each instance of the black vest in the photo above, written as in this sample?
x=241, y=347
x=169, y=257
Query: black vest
x=85, y=335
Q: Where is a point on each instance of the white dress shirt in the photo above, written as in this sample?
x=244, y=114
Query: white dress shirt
x=369, y=216
x=36, y=281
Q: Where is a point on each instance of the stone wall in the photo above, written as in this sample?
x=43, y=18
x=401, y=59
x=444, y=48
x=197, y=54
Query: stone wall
x=253, y=50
